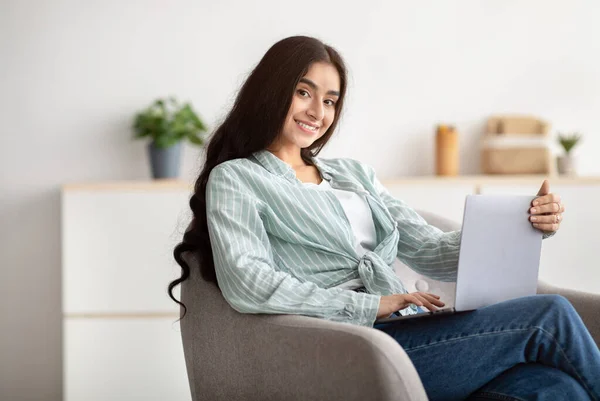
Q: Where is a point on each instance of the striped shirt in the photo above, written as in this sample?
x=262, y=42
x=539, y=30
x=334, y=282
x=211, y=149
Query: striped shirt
x=282, y=247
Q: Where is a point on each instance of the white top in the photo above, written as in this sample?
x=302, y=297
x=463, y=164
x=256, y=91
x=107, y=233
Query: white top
x=359, y=216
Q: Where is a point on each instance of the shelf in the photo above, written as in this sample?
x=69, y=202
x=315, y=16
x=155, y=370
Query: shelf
x=179, y=185
x=493, y=179
x=130, y=185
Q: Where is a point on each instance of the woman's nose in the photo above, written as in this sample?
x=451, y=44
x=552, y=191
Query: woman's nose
x=316, y=110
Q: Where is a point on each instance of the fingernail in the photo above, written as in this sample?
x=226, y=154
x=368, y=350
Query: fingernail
x=535, y=203
x=534, y=219
x=536, y=225
x=533, y=210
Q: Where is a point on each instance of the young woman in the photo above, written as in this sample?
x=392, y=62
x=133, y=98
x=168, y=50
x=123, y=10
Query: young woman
x=280, y=230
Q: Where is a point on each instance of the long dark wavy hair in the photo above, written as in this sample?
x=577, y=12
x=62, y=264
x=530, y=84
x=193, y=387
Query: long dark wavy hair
x=254, y=122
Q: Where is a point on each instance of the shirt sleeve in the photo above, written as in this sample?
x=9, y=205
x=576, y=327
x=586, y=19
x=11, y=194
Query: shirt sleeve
x=424, y=248
x=246, y=273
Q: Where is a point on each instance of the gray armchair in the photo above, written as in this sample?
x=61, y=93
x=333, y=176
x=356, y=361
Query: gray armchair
x=232, y=356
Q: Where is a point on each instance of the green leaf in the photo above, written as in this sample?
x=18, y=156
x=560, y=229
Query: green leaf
x=196, y=140
x=162, y=142
x=167, y=122
x=568, y=142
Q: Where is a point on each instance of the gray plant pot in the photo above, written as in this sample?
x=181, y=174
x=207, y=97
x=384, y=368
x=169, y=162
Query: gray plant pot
x=565, y=165
x=165, y=163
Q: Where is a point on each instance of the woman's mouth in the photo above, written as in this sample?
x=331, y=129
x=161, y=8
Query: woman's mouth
x=307, y=128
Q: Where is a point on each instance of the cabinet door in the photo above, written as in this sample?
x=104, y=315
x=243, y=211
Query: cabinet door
x=446, y=199
x=118, y=249
x=569, y=259
x=124, y=359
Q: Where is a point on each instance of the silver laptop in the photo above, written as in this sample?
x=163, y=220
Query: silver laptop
x=499, y=254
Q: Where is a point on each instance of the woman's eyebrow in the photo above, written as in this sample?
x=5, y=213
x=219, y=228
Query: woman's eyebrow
x=316, y=87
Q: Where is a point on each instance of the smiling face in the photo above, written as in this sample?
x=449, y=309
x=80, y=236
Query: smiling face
x=313, y=107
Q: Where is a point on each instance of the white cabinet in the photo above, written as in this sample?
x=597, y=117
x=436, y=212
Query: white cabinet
x=116, y=358
x=118, y=248
x=121, y=336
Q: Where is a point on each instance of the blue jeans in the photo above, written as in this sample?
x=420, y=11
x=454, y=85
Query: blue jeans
x=531, y=348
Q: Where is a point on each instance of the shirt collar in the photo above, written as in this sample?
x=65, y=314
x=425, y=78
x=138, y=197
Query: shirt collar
x=278, y=167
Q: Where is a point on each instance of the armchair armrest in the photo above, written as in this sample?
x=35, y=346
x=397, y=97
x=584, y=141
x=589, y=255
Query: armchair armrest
x=296, y=358
x=586, y=304
x=344, y=361
x=236, y=356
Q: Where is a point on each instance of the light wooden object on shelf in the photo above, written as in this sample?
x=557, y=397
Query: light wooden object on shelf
x=517, y=145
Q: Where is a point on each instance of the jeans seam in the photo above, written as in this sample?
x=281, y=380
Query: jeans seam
x=463, y=338
x=408, y=350
x=498, y=396
x=569, y=362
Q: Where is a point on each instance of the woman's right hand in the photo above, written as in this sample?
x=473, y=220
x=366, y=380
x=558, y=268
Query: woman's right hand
x=392, y=303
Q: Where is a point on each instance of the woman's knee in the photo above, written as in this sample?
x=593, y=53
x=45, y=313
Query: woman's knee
x=555, y=314
x=541, y=304
x=543, y=311
x=555, y=302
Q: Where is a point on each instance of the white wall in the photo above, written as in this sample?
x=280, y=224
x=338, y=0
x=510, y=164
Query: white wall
x=72, y=73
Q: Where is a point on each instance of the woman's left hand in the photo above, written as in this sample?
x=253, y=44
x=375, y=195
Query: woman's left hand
x=546, y=210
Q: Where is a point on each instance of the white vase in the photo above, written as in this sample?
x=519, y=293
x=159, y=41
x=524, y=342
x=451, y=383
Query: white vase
x=565, y=165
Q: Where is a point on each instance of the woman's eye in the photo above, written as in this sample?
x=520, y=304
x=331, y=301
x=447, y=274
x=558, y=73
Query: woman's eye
x=302, y=92
x=331, y=102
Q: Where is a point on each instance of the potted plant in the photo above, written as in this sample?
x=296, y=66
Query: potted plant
x=566, y=163
x=168, y=123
